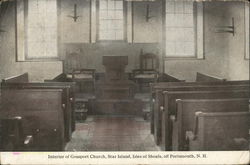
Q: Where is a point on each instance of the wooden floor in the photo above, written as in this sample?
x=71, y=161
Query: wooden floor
x=112, y=133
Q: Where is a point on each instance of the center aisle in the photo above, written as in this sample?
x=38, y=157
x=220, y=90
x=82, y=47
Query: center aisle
x=112, y=133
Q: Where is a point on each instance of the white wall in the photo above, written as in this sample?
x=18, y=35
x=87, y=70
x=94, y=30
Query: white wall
x=224, y=53
x=38, y=71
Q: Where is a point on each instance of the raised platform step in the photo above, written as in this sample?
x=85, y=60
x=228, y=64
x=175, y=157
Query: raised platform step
x=117, y=107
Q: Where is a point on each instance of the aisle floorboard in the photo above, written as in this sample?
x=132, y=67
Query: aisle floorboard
x=112, y=133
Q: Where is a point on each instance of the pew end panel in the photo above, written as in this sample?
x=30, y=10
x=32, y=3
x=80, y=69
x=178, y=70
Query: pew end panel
x=12, y=137
x=157, y=110
x=42, y=115
x=164, y=77
x=201, y=77
x=18, y=78
x=68, y=102
x=186, y=109
x=220, y=131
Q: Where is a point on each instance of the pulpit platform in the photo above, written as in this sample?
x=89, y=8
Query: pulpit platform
x=115, y=93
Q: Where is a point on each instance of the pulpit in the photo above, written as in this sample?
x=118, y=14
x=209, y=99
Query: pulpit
x=115, y=85
x=115, y=67
x=115, y=93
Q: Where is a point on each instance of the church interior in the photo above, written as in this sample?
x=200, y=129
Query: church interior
x=124, y=75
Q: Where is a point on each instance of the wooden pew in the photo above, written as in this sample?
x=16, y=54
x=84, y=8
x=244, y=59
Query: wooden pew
x=186, y=110
x=61, y=80
x=170, y=107
x=159, y=102
x=220, y=131
x=68, y=100
x=11, y=135
x=163, y=77
x=160, y=86
x=200, y=77
x=19, y=78
x=41, y=111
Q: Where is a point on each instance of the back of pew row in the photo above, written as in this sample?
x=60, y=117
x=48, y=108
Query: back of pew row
x=68, y=99
x=220, y=131
x=163, y=77
x=42, y=116
x=19, y=78
x=158, y=100
x=161, y=85
x=201, y=77
x=170, y=107
x=186, y=110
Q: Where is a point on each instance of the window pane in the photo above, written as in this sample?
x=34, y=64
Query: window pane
x=119, y=35
x=179, y=7
x=188, y=7
x=170, y=20
x=103, y=14
x=119, y=5
x=170, y=6
x=111, y=14
x=179, y=29
x=103, y=4
x=119, y=14
x=111, y=4
x=42, y=29
x=112, y=28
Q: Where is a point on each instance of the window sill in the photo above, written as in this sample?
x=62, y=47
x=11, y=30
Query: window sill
x=110, y=41
x=183, y=58
x=42, y=60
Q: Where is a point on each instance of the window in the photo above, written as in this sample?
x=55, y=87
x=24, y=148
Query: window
x=181, y=29
x=41, y=29
x=111, y=20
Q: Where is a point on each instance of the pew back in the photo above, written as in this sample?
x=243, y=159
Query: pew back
x=42, y=115
x=170, y=107
x=158, y=100
x=201, y=77
x=166, y=84
x=19, y=78
x=220, y=131
x=186, y=110
x=164, y=77
x=67, y=102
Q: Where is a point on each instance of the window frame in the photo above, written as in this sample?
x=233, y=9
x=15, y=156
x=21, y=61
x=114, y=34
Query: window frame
x=247, y=31
x=198, y=35
x=21, y=14
x=125, y=38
